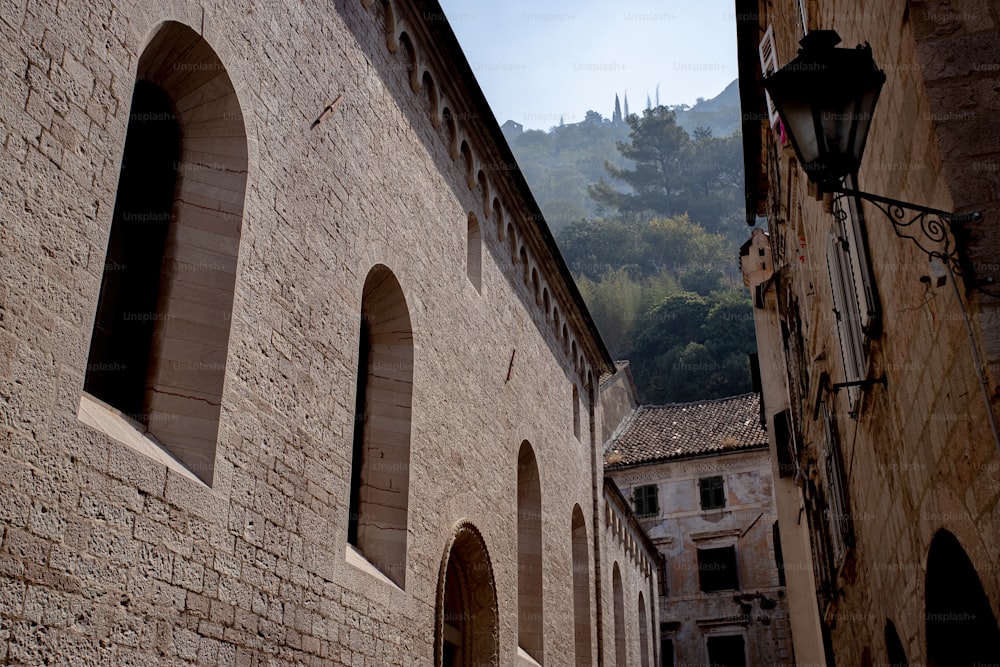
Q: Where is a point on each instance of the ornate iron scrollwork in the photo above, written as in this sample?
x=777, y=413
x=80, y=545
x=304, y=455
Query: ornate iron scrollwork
x=930, y=228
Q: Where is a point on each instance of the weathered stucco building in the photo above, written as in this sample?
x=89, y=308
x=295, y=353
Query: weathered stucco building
x=699, y=477
x=880, y=360
x=291, y=370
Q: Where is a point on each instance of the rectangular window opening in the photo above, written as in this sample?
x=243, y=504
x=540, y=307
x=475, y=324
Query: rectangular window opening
x=646, y=501
x=717, y=569
x=713, y=492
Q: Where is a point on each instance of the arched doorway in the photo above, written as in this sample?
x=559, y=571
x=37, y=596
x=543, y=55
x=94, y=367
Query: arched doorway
x=961, y=628
x=467, y=625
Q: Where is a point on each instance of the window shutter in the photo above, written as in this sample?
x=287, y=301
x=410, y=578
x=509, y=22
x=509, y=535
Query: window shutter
x=712, y=493
x=706, y=493
x=779, y=560
x=768, y=66
x=837, y=514
x=850, y=230
x=783, y=444
x=646, y=500
x=847, y=319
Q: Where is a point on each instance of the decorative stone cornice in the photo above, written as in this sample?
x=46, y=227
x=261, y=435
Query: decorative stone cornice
x=438, y=68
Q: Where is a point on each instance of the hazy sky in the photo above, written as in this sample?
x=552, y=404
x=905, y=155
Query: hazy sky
x=537, y=61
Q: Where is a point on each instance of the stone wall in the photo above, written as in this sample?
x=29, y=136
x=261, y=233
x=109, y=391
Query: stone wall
x=920, y=456
x=627, y=555
x=364, y=149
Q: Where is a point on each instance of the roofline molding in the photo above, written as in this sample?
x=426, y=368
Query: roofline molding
x=439, y=54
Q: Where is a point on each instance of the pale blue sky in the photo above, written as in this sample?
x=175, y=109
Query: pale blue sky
x=537, y=61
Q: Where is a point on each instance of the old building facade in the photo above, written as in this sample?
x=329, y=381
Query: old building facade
x=699, y=477
x=291, y=371
x=879, y=357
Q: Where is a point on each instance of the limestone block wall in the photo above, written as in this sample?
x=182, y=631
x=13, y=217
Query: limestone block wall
x=628, y=581
x=920, y=457
x=364, y=148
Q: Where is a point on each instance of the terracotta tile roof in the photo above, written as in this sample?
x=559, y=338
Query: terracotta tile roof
x=658, y=432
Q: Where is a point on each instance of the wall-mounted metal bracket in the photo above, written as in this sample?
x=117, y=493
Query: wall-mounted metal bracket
x=930, y=228
x=864, y=384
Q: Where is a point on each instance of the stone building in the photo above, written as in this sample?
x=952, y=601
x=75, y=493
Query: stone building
x=880, y=354
x=291, y=370
x=699, y=477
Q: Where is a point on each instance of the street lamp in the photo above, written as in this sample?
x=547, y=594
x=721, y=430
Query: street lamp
x=826, y=99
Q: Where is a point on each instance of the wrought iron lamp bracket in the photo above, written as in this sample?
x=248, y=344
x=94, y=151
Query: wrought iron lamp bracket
x=930, y=228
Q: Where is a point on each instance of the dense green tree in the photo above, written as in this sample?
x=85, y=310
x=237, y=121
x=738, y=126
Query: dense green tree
x=672, y=246
x=614, y=304
x=659, y=149
x=672, y=173
x=692, y=347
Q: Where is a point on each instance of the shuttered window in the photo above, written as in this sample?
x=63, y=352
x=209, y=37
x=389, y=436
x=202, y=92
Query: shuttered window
x=646, y=501
x=713, y=493
x=768, y=66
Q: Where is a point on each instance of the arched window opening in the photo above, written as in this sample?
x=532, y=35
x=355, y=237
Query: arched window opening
x=432, y=99
x=474, y=253
x=643, y=633
x=961, y=628
x=161, y=330
x=581, y=589
x=530, y=624
x=498, y=218
x=133, y=267
x=466, y=152
x=484, y=184
x=452, y=128
x=576, y=412
x=619, y=602
x=380, y=471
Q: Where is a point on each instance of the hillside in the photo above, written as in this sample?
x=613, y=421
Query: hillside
x=721, y=114
x=648, y=216
x=562, y=163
